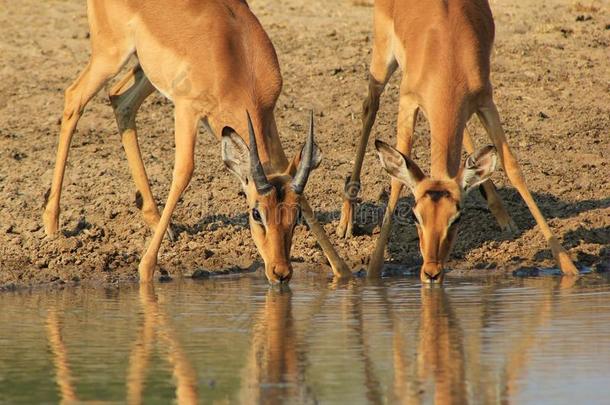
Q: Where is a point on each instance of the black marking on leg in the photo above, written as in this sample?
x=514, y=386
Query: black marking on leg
x=124, y=115
x=46, y=197
x=351, y=189
x=139, y=200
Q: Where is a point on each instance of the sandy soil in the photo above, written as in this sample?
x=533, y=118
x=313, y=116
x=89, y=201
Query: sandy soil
x=552, y=77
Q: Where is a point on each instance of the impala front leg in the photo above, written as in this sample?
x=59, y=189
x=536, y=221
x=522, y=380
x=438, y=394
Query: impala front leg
x=376, y=262
x=126, y=98
x=407, y=117
x=187, y=120
x=491, y=120
x=340, y=269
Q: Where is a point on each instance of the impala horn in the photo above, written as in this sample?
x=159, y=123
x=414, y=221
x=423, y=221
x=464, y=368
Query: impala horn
x=302, y=174
x=256, y=168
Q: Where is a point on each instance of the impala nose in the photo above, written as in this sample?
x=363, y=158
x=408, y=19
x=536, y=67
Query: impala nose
x=280, y=273
x=432, y=273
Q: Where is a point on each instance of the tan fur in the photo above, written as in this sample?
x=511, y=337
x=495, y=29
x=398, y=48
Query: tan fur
x=213, y=59
x=443, y=49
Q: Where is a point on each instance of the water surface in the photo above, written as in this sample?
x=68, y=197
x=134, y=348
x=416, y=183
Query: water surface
x=235, y=340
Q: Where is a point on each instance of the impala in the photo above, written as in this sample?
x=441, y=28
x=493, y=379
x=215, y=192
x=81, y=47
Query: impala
x=213, y=59
x=443, y=49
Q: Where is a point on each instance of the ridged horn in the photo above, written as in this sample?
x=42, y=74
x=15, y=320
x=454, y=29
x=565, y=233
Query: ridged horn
x=302, y=174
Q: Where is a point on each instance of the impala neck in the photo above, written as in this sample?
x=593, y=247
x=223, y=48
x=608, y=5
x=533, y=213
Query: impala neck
x=274, y=153
x=269, y=146
x=447, y=131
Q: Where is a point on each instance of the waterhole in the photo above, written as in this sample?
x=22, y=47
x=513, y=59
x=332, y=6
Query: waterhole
x=237, y=340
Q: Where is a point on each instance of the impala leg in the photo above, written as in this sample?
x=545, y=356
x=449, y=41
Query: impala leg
x=97, y=72
x=187, y=120
x=491, y=121
x=126, y=98
x=340, y=269
x=407, y=116
x=383, y=72
x=490, y=193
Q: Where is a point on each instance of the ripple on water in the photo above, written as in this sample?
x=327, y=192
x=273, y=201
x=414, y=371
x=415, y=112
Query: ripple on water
x=515, y=339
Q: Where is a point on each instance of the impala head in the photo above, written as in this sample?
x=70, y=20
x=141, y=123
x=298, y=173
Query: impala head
x=273, y=200
x=438, y=202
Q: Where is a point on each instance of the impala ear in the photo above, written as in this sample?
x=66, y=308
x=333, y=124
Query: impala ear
x=399, y=166
x=296, y=161
x=235, y=154
x=478, y=167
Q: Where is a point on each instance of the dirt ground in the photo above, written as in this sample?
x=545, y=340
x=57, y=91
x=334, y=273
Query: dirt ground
x=551, y=71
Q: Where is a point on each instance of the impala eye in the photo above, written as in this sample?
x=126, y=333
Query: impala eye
x=256, y=216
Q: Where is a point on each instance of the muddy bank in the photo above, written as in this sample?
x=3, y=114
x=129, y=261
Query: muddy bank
x=550, y=69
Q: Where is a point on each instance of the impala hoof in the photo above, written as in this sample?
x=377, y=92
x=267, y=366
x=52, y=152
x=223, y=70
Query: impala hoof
x=146, y=270
x=51, y=224
x=510, y=227
x=340, y=270
x=566, y=265
x=375, y=268
x=345, y=228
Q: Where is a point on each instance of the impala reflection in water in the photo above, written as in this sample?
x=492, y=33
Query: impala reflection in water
x=239, y=341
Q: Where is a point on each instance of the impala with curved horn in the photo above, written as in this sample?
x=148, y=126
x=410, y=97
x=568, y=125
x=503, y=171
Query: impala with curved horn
x=443, y=49
x=273, y=200
x=214, y=60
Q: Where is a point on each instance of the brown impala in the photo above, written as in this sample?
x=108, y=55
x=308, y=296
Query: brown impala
x=443, y=49
x=213, y=59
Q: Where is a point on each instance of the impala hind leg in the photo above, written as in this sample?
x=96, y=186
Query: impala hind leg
x=126, y=98
x=187, y=121
x=407, y=117
x=490, y=193
x=381, y=72
x=491, y=121
x=97, y=73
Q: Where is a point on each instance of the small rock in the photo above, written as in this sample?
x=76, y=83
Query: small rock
x=42, y=264
x=19, y=156
x=200, y=274
x=33, y=226
x=164, y=276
